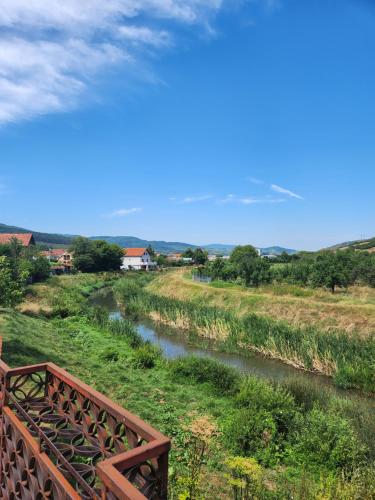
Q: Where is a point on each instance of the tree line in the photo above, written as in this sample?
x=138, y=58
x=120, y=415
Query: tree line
x=328, y=269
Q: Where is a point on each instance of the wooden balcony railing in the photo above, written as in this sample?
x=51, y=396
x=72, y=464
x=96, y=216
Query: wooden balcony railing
x=60, y=439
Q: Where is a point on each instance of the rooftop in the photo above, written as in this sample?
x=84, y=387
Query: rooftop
x=134, y=252
x=26, y=239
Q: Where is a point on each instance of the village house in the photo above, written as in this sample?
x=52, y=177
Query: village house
x=174, y=257
x=26, y=239
x=61, y=257
x=137, y=259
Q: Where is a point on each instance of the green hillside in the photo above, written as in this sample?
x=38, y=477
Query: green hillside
x=62, y=240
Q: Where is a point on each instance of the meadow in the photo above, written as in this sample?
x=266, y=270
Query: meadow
x=233, y=436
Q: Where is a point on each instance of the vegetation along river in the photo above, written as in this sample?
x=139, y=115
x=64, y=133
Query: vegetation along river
x=174, y=344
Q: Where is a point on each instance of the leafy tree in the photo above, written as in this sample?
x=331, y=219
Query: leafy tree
x=39, y=269
x=95, y=256
x=12, y=283
x=243, y=253
x=217, y=268
x=200, y=256
x=152, y=252
x=161, y=260
x=189, y=253
x=333, y=269
x=250, y=266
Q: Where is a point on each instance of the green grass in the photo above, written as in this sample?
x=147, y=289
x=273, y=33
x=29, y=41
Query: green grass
x=255, y=418
x=349, y=360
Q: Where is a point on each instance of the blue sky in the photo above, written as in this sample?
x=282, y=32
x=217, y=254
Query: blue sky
x=198, y=120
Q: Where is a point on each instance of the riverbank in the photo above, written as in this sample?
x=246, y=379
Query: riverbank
x=299, y=443
x=347, y=359
x=351, y=312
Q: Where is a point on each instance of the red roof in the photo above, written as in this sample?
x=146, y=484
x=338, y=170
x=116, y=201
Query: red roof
x=134, y=252
x=54, y=252
x=26, y=239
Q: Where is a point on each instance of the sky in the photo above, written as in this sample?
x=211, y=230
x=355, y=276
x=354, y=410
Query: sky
x=203, y=121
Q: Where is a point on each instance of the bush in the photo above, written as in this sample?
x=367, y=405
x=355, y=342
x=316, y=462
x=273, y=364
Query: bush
x=146, y=356
x=261, y=395
x=326, y=439
x=204, y=370
x=252, y=432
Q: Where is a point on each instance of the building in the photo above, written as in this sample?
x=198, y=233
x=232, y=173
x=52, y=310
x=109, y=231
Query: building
x=26, y=239
x=62, y=258
x=137, y=259
x=174, y=257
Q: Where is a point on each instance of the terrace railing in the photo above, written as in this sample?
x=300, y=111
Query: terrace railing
x=61, y=439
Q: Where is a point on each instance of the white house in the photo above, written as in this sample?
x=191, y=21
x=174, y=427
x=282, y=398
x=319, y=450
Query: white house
x=137, y=259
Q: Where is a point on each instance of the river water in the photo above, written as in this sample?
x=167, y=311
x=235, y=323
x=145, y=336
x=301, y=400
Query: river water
x=174, y=344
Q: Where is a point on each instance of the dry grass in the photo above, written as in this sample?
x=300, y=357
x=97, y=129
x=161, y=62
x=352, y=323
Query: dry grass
x=352, y=311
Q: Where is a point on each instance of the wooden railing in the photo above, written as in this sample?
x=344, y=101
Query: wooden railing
x=61, y=439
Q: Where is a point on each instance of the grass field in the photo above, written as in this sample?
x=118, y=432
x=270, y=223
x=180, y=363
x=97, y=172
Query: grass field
x=352, y=312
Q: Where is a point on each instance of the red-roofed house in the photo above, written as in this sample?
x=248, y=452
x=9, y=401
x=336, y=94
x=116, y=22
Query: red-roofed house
x=60, y=255
x=26, y=239
x=137, y=259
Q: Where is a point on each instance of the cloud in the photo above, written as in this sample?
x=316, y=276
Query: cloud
x=232, y=198
x=282, y=190
x=52, y=53
x=123, y=212
x=143, y=35
x=254, y=180
x=195, y=199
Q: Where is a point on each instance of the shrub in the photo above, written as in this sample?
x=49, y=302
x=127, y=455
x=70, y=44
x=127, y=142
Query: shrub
x=251, y=432
x=245, y=477
x=146, y=356
x=204, y=370
x=328, y=440
x=261, y=395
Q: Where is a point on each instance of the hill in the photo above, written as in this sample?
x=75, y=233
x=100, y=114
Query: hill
x=63, y=240
x=276, y=250
x=49, y=239
x=367, y=244
x=133, y=242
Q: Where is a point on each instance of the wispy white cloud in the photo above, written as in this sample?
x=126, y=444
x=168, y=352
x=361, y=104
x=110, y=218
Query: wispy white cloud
x=195, y=199
x=51, y=52
x=123, y=212
x=232, y=198
x=255, y=180
x=143, y=35
x=279, y=189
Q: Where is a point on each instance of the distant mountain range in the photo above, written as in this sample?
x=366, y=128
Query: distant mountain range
x=55, y=240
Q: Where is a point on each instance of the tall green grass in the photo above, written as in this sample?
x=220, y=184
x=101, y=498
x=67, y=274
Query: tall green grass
x=349, y=360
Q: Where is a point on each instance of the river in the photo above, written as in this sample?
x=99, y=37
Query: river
x=174, y=344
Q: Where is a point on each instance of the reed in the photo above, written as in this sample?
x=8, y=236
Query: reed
x=348, y=359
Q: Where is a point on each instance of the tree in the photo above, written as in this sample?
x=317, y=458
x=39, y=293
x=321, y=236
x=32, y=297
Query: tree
x=250, y=266
x=333, y=269
x=189, y=253
x=39, y=269
x=161, y=260
x=200, y=257
x=152, y=252
x=243, y=253
x=95, y=256
x=12, y=283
